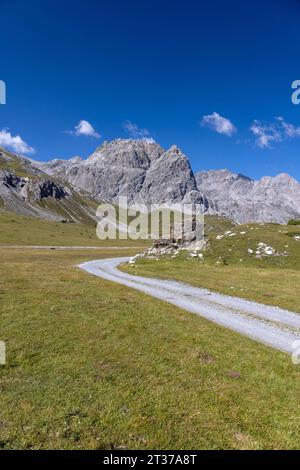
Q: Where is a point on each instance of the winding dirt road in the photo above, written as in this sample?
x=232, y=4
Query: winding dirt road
x=272, y=326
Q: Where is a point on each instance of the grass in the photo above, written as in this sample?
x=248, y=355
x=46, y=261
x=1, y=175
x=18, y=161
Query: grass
x=20, y=230
x=229, y=268
x=95, y=365
x=79, y=206
x=92, y=364
x=15, y=165
x=294, y=222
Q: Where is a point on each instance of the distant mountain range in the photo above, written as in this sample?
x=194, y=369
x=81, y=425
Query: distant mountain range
x=144, y=172
x=271, y=199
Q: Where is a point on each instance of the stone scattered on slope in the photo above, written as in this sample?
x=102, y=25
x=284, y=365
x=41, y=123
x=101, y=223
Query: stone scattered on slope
x=264, y=250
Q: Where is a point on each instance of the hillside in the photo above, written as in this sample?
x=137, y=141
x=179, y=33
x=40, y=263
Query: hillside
x=26, y=190
x=144, y=172
x=254, y=261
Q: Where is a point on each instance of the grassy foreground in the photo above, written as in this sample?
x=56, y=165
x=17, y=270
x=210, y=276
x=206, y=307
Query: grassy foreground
x=95, y=365
x=20, y=230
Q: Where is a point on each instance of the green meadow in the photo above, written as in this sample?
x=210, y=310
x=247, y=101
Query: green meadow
x=95, y=365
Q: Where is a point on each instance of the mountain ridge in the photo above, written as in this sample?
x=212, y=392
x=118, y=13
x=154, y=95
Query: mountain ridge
x=141, y=170
x=269, y=199
x=26, y=190
x=144, y=171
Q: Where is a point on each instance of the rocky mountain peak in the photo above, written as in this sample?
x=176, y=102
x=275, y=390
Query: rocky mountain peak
x=144, y=172
x=270, y=199
x=76, y=160
x=126, y=152
x=139, y=169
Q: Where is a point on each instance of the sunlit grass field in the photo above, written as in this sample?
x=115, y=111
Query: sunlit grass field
x=95, y=365
x=229, y=268
x=20, y=230
x=91, y=364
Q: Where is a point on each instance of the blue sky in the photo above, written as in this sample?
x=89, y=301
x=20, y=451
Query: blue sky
x=164, y=66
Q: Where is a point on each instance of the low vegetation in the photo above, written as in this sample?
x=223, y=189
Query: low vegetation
x=20, y=230
x=8, y=161
x=294, y=222
x=93, y=364
x=236, y=262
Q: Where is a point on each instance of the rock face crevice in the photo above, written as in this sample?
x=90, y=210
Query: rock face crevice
x=32, y=189
x=37, y=190
x=10, y=180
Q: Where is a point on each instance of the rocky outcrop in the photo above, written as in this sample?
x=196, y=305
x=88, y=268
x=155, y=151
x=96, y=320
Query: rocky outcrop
x=141, y=170
x=169, y=178
x=10, y=180
x=23, y=195
x=271, y=199
x=57, y=165
x=32, y=189
x=36, y=190
x=25, y=189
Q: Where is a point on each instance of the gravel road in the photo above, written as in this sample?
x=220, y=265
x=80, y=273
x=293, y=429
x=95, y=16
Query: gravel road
x=272, y=326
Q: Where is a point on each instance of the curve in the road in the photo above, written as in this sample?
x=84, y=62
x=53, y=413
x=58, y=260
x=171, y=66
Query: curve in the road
x=273, y=326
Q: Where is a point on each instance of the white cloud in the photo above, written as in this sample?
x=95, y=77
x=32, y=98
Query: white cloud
x=136, y=132
x=289, y=129
x=218, y=124
x=86, y=129
x=14, y=143
x=267, y=133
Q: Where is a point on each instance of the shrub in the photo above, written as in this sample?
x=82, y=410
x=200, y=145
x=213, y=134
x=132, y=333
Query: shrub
x=294, y=222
